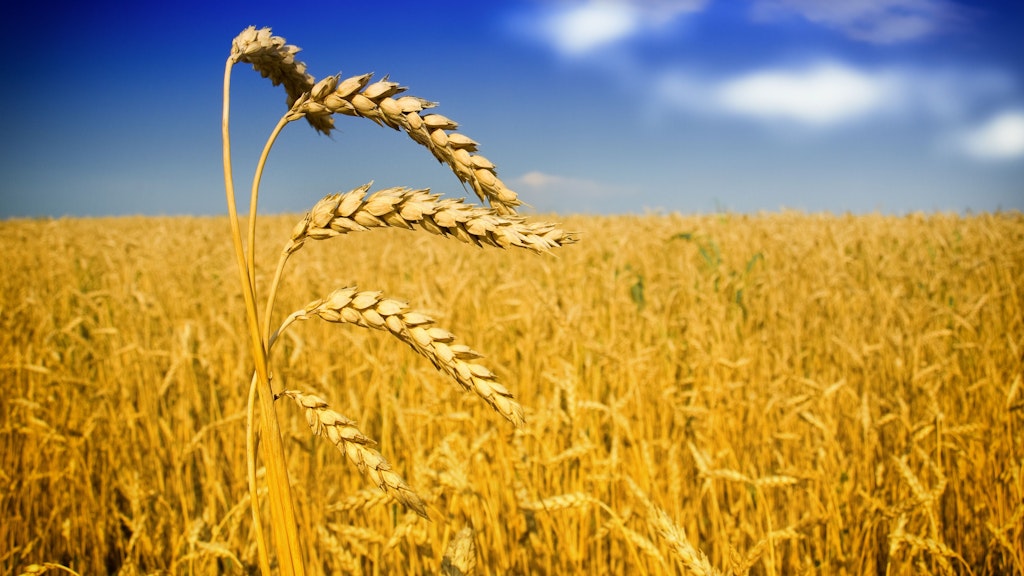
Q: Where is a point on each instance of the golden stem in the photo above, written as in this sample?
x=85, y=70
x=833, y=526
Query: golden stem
x=282, y=508
x=254, y=196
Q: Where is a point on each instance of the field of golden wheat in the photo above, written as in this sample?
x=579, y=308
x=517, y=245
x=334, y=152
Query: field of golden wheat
x=773, y=394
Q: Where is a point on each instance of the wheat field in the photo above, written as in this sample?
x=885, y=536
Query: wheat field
x=782, y=393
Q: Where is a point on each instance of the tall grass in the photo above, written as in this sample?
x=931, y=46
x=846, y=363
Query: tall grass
x=781, y=393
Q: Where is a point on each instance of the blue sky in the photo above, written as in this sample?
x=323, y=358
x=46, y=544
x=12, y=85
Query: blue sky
x=584, y=106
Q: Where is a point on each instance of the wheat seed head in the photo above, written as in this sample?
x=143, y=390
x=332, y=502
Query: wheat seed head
x=273, y=58
x=352, y=211
x=371, y=310
x=379, y=102
x=343, y=433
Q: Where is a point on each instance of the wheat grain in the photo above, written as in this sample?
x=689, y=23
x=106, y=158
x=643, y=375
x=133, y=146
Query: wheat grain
x=35, y=569
x=371, y=310
x=1011, y=394
x=352, y=211
x=575, y=452
x=936, y=550
x=354, y=97
x=672, y=534
x=343, y=433
x=703, y=466
x=775, y=481
x=450, y=471
x=637, y=539
x=743, y=566
x=338, y=553
x=728, y=475
x=460, y=555
x=921, y=495
x=274, y=59
x=361, y=501
x=560, y=502
x=568, y=401
x=357, y=539
x=408, y=527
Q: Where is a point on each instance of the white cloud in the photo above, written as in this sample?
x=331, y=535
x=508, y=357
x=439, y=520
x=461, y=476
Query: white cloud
x=999, y=138
x=875, y=21
x=831, y=94
x=589, y=26
x=821, y=95
x=581, y=27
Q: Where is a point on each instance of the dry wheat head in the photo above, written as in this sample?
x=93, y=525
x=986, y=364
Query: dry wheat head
x=371, y=310
x=274, y=59
x=343, y=433
x=380, y=102
x=351, y=211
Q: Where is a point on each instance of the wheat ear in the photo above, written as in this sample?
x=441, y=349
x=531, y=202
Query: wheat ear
x=460, y=556
x=35, y=569
x=379, y=101
x=371, y=310
x=674, y=535
x=351, y=211
x=274, y=59
x=343, y=433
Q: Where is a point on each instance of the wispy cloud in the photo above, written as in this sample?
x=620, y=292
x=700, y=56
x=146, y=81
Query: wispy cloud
x=820, y=95
x=1001, y=137
x=874, y=21
x=578, y=28
x=830, y=94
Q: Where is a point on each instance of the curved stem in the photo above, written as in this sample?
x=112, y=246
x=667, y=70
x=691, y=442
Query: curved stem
x=268, y=313
x=254, y=197
x=284, y=325
x=282, y=507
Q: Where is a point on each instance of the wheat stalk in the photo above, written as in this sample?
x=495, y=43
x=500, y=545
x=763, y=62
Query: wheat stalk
x=282, y=507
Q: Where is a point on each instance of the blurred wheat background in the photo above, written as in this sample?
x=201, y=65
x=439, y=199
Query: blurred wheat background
x=785, y=393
